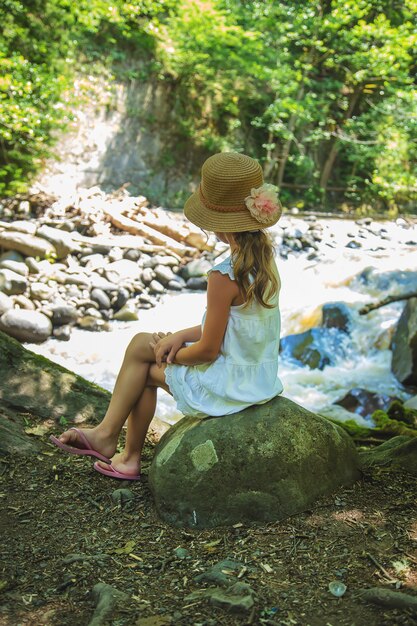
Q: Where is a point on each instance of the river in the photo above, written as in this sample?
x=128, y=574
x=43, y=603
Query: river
x=336, y=273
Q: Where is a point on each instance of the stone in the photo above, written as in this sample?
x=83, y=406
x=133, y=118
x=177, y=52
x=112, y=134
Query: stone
x=182, y=553
x=155, y=287
x=265, y=463
x=12, y=283
x=197, y=283
x=164, y=274
x=23, y=302
x=399, y=452
x=221, y=573
x=121, y=270
x=30, y=326
x=236, y=599
x=316, y=347
x=42, y=291
x=27, y=244
x=174, y=285
x=63, y=314
x=195, y=269
x=19, y=267
x=60, y=239
x=107, y=599
x=102, y=299
x=77, y=278
x=90, y=322
x=33, y=265
x=62, y=333
x=127, y=313
x=115, y=254
x=147, y=275
x=93, y=261
x=120, y=299
x=121, y=496
x=337, y=315
x=99, y=282
x=6, y=303
x=132, y=254
x=337, y=412
x=404, y=345
x=364, y=402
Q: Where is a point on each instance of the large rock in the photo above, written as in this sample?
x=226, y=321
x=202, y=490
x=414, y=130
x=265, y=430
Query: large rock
x=265, y=463
x=404, y=345
x=32, y=384
x=337, y=315
x=316, y=347
x=25, y=325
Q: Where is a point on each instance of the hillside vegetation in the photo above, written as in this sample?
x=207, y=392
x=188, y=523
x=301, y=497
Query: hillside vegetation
x=323, y=93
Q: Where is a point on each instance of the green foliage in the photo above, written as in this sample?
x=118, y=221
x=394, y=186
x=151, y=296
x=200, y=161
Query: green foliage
x=322, y=93
x=43, y=41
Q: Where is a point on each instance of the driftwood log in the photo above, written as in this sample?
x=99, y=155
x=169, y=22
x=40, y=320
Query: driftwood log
x=156, y=226
x=376, y=305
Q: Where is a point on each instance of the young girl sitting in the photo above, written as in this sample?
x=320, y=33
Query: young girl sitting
x=228, y=362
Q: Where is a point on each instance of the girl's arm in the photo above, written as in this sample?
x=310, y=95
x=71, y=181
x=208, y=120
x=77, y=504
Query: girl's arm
x=221, y=291
x=166, y=347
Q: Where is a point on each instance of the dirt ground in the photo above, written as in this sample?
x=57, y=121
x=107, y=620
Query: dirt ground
x=55, y=506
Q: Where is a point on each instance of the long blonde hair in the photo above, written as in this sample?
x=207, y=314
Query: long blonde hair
x=253, y=256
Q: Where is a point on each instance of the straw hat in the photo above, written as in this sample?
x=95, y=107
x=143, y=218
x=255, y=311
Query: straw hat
x=232, y=196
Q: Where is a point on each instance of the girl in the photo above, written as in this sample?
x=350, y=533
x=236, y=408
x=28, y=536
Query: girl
x=228, y=362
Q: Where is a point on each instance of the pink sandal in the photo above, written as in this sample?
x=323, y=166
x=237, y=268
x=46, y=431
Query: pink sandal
x=84, y=449
x=113, y=473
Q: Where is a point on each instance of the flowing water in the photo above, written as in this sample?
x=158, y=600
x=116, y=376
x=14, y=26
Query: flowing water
x=338, y=273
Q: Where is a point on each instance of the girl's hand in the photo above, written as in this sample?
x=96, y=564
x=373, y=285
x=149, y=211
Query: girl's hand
x=165, y=346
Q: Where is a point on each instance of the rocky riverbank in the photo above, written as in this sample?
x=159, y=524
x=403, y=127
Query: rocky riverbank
x=101, y=258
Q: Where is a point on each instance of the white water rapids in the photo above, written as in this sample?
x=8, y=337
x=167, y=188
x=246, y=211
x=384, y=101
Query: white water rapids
x=306, y=286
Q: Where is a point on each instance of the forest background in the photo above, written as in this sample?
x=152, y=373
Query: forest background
x=323, y=93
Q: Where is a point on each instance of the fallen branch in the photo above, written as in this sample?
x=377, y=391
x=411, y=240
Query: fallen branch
x=388, y=598
x=376, y=305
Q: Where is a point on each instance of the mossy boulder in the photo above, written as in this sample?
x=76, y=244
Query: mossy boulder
x=42, y=390
x=265, y=463
x=398, y=452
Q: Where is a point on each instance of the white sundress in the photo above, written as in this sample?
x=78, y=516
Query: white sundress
x=246, y=370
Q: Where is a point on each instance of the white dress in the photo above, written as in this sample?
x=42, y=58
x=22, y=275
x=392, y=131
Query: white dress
x=246, y=370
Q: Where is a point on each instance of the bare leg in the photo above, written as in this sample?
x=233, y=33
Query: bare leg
x=130, y=385
x=129, y=460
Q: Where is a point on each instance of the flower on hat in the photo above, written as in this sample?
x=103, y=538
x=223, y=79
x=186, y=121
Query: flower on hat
x=263, y=202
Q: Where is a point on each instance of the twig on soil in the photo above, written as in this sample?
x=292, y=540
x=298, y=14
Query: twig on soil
x=380, y=567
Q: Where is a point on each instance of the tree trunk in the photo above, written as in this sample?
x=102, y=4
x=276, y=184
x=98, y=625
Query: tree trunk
x=334, y=149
